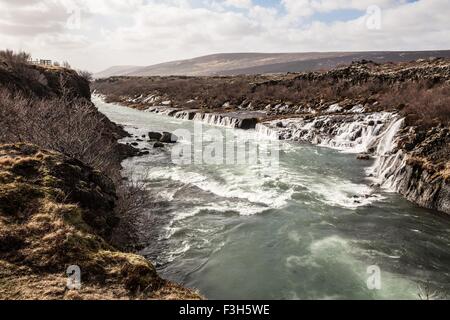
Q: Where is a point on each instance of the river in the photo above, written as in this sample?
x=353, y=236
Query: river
x=310, y=227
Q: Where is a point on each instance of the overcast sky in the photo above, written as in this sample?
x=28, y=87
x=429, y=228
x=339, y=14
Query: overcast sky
x=96, y=34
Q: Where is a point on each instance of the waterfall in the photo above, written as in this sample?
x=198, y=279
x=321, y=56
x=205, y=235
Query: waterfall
x=374, y=133
x=352, y=134
x=387, y=141
x=267, y=132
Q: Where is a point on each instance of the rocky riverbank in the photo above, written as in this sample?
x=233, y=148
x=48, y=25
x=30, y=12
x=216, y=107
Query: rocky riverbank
x=396, y=114
x=62, y=196
x=56, y=212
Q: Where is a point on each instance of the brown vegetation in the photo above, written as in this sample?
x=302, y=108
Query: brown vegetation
x=71, y=126
x=420, y=90
x=86, y=75
x=56, y=212
x=59, y=208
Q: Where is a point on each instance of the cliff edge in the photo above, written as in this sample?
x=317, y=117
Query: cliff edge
x=56, y=212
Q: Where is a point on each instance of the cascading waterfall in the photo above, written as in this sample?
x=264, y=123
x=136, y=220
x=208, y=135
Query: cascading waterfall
x=267, y=131
x=389, y=165
x=375, y=133
x=217, y=120
x=235, y=120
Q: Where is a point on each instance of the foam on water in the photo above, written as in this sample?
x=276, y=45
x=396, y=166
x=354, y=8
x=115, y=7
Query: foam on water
x=242, y=185
x=336, y=257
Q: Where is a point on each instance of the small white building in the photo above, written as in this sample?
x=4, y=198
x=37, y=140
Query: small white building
x=42, y=62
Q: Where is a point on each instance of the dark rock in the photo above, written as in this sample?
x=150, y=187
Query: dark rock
x=371, y=123
x=134, y=144
x=358, y=134
x=158, y=145
x=363, y=156
x=126, y=151
x=247, y=124
x=168, y=137
x=155, y=136
x=376, y=185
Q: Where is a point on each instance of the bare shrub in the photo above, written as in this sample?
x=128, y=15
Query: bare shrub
x=88, y=76
x=18, y=62
x=133, y=206
x=71, y=126
x=14, y=58
x=421, y=104
x=427, y=293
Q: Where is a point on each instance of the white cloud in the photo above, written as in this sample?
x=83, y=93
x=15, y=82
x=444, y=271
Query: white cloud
x=304, y=8
x=145, y=32
x=240, y=3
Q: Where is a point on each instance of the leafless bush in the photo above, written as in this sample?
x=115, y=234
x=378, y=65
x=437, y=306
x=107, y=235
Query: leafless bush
x=19, y=64
x=133, y=196
x=70, y=126
x=14, y=58
x=427, y=293
x=132, y=207
x=86, y=75
x=421, y=104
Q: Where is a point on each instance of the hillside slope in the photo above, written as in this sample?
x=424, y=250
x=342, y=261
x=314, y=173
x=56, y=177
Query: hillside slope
x=261, y=63
x=55, y=212
x=62, y=195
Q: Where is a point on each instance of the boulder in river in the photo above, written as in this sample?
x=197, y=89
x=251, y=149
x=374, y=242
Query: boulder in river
x=158, y=145
x=155, y=136
x=363, y=156
x=168, y=137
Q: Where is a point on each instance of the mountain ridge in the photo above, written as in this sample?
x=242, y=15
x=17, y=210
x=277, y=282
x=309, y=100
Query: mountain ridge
x=225, y=64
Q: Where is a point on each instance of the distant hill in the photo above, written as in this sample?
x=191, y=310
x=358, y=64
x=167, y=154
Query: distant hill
x=263, y=63
x=116, y=70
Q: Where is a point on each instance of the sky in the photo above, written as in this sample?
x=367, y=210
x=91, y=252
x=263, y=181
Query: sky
x=96, y=34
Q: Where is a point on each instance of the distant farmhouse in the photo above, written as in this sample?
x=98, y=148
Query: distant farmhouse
x=41, y=62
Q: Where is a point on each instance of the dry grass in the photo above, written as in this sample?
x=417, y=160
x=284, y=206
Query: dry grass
x=44, y=228
x=422, y=103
